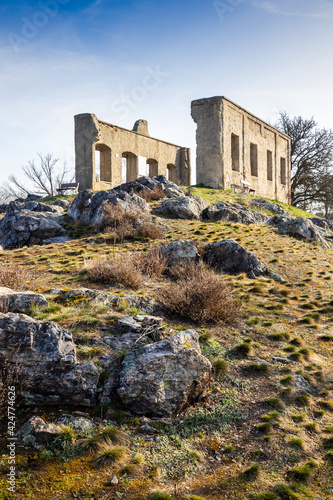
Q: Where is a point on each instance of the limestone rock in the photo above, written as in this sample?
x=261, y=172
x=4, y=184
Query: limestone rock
x=20, y=301
x=147, y=184
x=179, y=252
x=61, y=203
x=233, y=213
x=37, y=432
x=189, y=207
x=58, y=239
x=32, y=206
x=271, y=207
x=230, y=257
x=42, y=357
x=327, y=225
x=24, y=227
x=160, y=379
x=89, y=207
x=302, y=229
x=114, y=301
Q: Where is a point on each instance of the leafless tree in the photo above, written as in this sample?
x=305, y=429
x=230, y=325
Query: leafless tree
x=311, y=157
x=43, y=180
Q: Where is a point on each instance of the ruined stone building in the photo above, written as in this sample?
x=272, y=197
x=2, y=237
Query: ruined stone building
x=237, y=150
x=107, y=155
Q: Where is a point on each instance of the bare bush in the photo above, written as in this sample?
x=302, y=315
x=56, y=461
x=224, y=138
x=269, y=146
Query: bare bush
x=130, y=223
x=15, y=277
x=157, y=193
x=116, y=271
x=187, y=270
x=151, y=263
x=201, y=296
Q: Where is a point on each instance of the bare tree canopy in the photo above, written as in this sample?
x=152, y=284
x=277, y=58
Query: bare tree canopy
x=311, y=158
x=43, y=180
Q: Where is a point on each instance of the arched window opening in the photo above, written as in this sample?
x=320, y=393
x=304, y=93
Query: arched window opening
x=103, y=162
x=152, y=167
x=129, y=167
x=172, y=173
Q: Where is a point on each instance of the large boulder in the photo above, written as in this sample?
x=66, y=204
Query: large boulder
x=148, y=184
x=179, y=252
x=23, y=227
x=230, y=257
x=33, y=206
x=90, y=208
x=161, y=379
x=36, y=432
x=42, y=357
x=20, y=301
x=302, y=229
x=269, y=206
x=233, y=213
x=113, y=300
x=189, y=207
x=322, y=223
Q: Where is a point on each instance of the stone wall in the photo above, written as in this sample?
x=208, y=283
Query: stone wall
x=119, y=150
x=237, y=150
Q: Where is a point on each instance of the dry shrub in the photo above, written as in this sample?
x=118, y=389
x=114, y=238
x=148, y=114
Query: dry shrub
x=201, y=296
x=130, y=223
x=151, y=194
x=116, y=271
x=189, y=269
x=151, y=263
x=15, y=277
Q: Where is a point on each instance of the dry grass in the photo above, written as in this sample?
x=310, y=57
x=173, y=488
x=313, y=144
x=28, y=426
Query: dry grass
x=116, y=271
x=151, y=263
x=130, y=223
x=201, y=296
x=157, y=193
x=15, y=277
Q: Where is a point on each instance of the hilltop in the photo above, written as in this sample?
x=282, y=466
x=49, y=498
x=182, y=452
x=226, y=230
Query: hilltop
x=262, y=429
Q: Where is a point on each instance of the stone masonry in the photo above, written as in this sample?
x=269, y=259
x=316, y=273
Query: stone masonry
x=236, y=150
x=107, y=155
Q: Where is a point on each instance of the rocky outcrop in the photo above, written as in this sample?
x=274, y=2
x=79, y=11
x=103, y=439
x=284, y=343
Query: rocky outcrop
x=190, y=207
x=269, y=206
x=42, y=356
x=161, y=379
x=179, y=252
x=327, y=225
x=148, y=184
x=11, y=301
x=233, y=213
x=230, y=257
x=113, y=300
x=36, y=432
x=89, y=208
x=302, y=229
x=61, y=203
x=32, y=206
x=26, y=228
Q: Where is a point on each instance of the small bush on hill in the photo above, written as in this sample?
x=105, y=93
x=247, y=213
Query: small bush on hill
x=152, y=194
x=15, y=277
x=202, y=296
x=151, y=263
x=116, y=271
x=130, y=223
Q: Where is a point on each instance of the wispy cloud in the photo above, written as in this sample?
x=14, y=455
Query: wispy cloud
x=296, y=8
x=92, y=10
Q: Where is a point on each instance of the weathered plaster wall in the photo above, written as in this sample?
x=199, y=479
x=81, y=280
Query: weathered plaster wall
x=114, y=143
x=217, y=120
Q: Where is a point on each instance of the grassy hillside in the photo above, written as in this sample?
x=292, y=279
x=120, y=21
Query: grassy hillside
x=255, y=435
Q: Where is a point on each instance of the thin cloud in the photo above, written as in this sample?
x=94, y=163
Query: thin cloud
x=92, y=10
x=273, y=8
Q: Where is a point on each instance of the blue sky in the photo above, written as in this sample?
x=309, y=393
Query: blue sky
x=125, y=60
